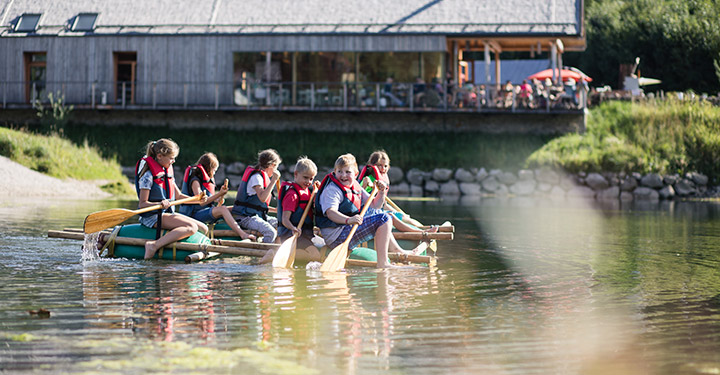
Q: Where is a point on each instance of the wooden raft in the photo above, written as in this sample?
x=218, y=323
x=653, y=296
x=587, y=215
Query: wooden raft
x=228, y=247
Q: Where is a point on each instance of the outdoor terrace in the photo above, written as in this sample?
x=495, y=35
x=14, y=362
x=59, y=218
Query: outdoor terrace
x=293, y=96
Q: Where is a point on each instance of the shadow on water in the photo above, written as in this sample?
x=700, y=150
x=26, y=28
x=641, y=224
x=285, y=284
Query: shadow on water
x=527, y=286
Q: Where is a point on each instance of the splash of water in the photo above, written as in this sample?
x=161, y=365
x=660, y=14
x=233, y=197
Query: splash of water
x=90, y=251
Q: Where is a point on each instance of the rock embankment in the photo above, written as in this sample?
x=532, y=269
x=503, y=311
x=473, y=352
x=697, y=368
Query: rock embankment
x=526, y=182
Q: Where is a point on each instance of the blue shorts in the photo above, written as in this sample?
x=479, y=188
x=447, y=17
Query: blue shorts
x=204, y=215
x=366, y=231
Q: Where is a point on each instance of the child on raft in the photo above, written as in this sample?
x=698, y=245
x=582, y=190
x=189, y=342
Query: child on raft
x=376, y=169
x=337, y=206
x=155, y=184
x=200, y=177
x=292, y=201
x=254, y=194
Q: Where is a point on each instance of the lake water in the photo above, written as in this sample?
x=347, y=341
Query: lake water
x=527, y=287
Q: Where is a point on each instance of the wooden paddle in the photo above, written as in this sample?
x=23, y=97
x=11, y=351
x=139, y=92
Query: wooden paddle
x=221, y=201
x=337, y=257
x=98, y=221
x=285, y=254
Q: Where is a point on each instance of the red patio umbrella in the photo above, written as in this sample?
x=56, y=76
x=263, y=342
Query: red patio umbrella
x=566, y=74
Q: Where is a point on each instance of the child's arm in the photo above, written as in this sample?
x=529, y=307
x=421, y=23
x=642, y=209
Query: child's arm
x=287, y=224
x=379, y=201
x=219, y=194
x=290, y=203
x=264, y=193
x=144, y=202
x=180, y=195
x=339, y=218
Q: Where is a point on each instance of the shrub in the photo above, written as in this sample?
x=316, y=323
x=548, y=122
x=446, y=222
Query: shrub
x=7, y=148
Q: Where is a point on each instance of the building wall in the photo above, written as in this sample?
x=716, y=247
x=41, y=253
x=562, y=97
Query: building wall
x=196, y=59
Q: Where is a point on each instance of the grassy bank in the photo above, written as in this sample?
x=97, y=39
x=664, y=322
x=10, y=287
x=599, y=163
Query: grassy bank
x=405, y=149
x=61, y=158
x=665, y=137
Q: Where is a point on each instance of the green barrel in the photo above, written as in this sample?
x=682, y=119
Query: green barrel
x=363, y=253
x=138, y=252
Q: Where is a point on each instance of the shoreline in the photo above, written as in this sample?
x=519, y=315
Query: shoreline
x=25, y=183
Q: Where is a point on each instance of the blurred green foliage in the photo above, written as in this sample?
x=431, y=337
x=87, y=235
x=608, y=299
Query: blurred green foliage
x=669, y=136
x=677, y=42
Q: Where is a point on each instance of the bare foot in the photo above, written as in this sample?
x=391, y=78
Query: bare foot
x=149, y=249
x=386, y=265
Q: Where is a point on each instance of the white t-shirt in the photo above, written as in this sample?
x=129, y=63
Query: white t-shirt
x=255, y=180
x=331, y=197
x=146, y=182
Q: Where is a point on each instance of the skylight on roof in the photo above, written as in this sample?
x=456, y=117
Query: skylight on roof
x=27, y=23
x=84, y=22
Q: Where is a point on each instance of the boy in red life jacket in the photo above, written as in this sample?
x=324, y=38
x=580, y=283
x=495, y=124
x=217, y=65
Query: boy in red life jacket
x=337, y=207
x=201, y=178
x=254, y=194
x=155, y=184
x=294, y=198
x=377, y=168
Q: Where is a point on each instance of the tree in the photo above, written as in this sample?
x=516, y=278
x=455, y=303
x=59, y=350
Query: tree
x=677, y=42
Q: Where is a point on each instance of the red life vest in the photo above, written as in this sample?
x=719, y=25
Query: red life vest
x=303, y=200
x=350, y=205
x=374, y=173
x=352, y=193
x=250, y=205
x=162, y=179
x=207, y=184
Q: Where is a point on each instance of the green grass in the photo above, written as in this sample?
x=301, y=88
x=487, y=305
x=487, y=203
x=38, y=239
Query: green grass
x=664, y=137
x=59, y=157
x=406, y=150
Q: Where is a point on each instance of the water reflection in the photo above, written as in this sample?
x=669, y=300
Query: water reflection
x=528, y=286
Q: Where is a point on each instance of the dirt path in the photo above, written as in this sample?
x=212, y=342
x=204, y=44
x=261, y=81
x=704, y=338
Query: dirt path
x=20, y=181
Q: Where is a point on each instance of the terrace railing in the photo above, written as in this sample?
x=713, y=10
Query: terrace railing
x=286, y=96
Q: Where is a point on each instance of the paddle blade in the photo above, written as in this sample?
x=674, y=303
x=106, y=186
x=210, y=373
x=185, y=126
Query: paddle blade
x=97, y=221
x=285, y=254
x=335, y=261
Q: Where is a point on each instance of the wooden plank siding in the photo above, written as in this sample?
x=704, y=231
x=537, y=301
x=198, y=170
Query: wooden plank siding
x=199, y=60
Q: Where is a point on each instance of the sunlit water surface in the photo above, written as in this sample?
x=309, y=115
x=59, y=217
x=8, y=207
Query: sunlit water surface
x=527, y=287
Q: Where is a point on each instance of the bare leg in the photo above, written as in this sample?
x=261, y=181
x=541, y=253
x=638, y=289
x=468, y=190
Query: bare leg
x=394, y=247
x=308, y=254
x=403, y=226
x=268, y=257
x=270, y=254
x=382, y=242
x=180, y=227
x=224, y=211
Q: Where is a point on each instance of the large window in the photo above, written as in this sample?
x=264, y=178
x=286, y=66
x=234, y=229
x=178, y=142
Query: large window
x=256, y=73
x=401, y=66
x=317, y=78
x=326, y=67
x=35, y=76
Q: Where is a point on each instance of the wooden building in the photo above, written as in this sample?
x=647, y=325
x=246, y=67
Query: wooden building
x=230, y=54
